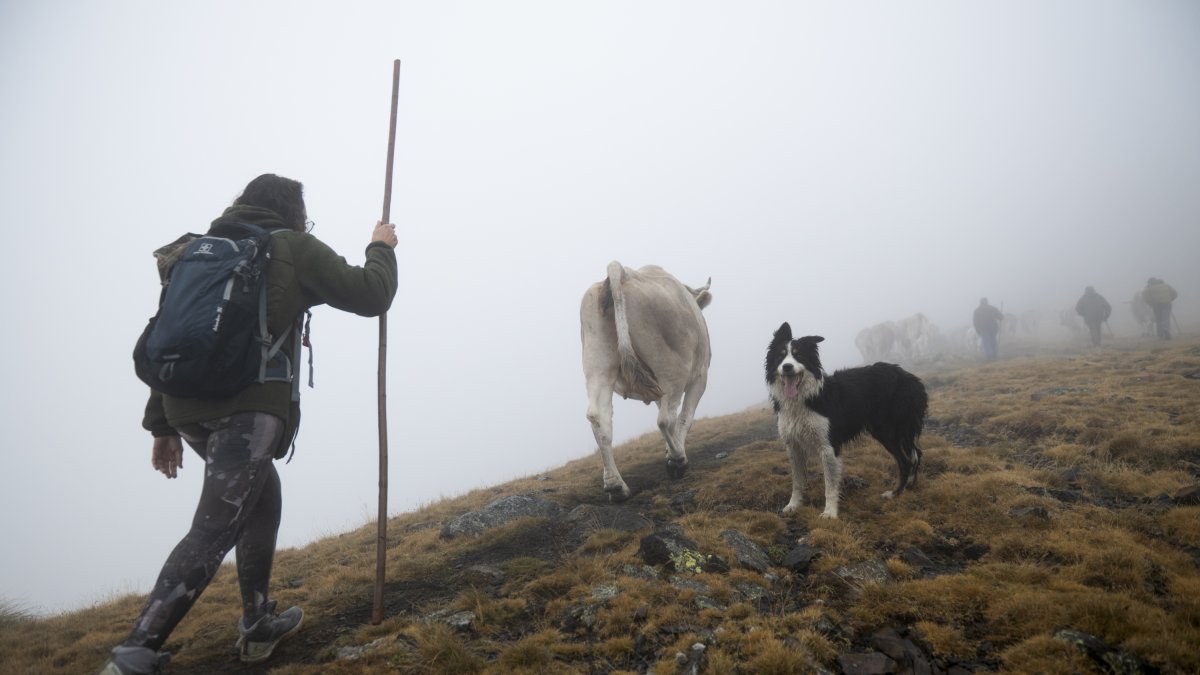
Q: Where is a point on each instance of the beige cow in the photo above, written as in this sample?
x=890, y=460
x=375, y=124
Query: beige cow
x=644, y=338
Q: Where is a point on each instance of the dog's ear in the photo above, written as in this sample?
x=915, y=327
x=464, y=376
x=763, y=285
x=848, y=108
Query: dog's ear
x=784, y=334
x=812, y=339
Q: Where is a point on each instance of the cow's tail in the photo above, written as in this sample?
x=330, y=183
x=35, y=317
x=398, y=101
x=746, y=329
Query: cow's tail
x=636, y=376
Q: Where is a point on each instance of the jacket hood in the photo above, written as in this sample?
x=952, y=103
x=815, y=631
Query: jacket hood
x=255, y=215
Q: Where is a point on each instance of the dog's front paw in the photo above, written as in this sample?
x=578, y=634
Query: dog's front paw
x=792, y=507
x=832, y=515
x=887, y=495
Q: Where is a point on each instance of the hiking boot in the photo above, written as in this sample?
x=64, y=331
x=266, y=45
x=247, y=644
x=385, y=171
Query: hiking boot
x=135, y=661
x=258, y=641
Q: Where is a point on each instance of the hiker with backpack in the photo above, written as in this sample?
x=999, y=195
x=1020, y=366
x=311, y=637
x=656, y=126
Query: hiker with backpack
x=1095, y=310
x=225, y=381
x=1159, y=295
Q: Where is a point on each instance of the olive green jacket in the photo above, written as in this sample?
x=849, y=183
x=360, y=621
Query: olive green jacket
x=304, y=273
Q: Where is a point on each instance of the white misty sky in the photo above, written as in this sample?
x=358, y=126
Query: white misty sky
x=832, y=164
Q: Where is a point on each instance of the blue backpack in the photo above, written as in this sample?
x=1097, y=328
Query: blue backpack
x=209, y=339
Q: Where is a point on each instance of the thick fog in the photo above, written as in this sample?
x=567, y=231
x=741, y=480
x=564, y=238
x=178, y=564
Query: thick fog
x=834, y=165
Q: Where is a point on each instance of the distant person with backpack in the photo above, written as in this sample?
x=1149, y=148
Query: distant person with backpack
x=987, y=324
x=1159, y=295
x=261, y=247
x=1095, y=311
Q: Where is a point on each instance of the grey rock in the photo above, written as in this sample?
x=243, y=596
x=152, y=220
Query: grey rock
x=902, y=651
x=799, y=558
x=693, y=662
x=749, y=591
x=749, y=554
x=684, y=502
x=456, y=620
x=705, y=602
x=867, y=664
x=657, y=548
x=499, y=512
x=915, y=557
x=590, y=517
x=640, y=571
x=483, y=575
x=866, y=572
x=685, y=583
x=352, y=653
x=1108, y=657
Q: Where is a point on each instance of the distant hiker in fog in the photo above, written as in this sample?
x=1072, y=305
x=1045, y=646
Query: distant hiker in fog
x=1095, y=310
x=987, y=323
x=1159, y=295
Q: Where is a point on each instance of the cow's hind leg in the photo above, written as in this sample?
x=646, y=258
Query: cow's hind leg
x=600, y=416
x=687, y=415
x=668, y=424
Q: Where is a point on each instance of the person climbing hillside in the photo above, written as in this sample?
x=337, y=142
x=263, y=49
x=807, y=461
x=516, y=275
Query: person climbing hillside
x=1159, y=295
x=987, y=320
x=1095, y=310
x=239, y=436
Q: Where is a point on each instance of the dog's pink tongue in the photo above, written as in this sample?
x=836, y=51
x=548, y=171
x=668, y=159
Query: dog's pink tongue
x=791, y=385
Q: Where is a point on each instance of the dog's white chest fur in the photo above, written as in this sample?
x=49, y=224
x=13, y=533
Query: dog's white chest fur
x=801, y=426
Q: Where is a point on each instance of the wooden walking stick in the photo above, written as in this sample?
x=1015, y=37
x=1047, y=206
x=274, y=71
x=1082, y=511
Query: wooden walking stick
x=381, y=540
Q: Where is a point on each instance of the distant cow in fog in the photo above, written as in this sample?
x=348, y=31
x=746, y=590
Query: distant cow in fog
x=875, y=343
x=644, y=338
x=914, y=338
x=908, y=340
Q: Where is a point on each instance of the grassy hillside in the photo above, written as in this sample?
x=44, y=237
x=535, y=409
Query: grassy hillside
x=1054, y=497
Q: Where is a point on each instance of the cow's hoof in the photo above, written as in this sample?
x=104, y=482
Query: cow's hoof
x=618, y=494
x=676, y=469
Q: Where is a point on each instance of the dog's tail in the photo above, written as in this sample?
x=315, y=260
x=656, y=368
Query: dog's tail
x=636, y=375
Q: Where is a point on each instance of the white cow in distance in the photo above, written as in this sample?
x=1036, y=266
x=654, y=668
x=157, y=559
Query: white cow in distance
x=876, y=343
x=908, y=340
x=915, y=337
x=644, y=338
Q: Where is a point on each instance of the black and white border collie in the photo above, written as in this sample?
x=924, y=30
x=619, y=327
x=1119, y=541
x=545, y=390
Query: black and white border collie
x=819, y=412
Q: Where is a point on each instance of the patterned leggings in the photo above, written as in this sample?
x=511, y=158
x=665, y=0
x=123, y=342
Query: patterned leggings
x=239, y=506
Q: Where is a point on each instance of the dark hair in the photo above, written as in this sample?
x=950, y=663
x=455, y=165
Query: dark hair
x=282, y=195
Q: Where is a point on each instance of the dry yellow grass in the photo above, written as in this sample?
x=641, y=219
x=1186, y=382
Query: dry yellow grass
x=1044, y=498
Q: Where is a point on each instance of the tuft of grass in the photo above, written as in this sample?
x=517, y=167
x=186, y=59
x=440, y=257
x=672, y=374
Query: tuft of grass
x=436, y=649
x=1044, y=654
x=946, y=640
x=1183, y=524
x=492, y=615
